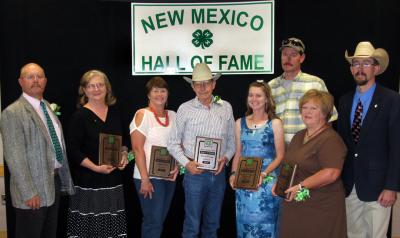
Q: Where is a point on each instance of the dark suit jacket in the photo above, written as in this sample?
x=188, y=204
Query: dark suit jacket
x=374, y=163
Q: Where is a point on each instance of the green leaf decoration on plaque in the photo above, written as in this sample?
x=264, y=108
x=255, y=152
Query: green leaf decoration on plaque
x=202, y=38
x=208, y=142
x=249, y=162
x=111, y=140
x=163, y=152
x=287, y=167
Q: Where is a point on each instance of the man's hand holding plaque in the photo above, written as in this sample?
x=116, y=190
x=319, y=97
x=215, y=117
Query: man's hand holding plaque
x=248, y=173
x=193, y=168
x=221, y=164
x=207, y=152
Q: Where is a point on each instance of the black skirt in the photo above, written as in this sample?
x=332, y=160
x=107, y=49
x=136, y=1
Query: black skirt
x=97, y=213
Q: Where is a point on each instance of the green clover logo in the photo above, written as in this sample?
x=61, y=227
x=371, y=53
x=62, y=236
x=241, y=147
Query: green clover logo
x=286, y=167
x=202, y=38
x=249, y=162
x=163, y=152
x=111, y=140
x=208, y=142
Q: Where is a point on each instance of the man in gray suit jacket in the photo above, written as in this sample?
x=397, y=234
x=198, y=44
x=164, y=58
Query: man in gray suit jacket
x=34, y=150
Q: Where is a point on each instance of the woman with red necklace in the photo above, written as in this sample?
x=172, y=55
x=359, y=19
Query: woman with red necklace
x=150, y=127
x=319, y=153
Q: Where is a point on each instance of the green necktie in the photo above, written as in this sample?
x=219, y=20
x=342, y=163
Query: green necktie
x=53, y=134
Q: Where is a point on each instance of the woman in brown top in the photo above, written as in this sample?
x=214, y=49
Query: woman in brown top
x=319, y=153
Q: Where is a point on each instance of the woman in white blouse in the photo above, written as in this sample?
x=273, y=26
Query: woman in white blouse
x=150, y=127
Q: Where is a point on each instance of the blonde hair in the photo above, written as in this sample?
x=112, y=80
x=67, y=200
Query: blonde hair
x=323, y=99
x=83, y=99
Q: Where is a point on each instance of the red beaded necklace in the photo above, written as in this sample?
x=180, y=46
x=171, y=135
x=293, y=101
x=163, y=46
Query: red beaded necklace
x=158, y=118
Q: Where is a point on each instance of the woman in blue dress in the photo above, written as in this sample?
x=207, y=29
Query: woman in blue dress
x=258, y=134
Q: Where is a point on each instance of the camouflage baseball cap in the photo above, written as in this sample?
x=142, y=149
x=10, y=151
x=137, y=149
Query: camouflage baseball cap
x=294, y=43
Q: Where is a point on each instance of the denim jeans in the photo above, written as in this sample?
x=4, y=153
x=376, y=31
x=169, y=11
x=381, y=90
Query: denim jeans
x=155, y=210
x=203, y=193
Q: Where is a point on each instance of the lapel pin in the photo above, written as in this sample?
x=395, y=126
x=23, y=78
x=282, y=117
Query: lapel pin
x=376, y=105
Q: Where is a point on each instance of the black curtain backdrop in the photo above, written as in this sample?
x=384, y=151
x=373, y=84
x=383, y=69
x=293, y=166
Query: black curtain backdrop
x=67, y=38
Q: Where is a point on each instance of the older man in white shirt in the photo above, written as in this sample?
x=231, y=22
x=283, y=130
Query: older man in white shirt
x=210, y=117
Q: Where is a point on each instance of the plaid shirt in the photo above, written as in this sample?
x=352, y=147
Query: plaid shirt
x=287, y=101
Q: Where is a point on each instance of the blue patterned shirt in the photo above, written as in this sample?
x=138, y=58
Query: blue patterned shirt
x=194, y=119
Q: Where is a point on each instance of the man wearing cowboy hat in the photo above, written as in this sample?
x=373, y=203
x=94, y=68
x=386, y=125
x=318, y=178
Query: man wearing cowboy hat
x=369, y=123
x=288, y=88
x=211, y=117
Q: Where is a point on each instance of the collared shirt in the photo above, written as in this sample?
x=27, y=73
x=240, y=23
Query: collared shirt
x=36, y=105
x=195, y=119
x=366, y=98
x=287, y=100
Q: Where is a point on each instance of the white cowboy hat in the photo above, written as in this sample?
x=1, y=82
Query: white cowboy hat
x=201, y=72
x=365, y=49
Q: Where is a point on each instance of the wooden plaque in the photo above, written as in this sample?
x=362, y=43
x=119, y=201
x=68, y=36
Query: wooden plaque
x=248, y=172
x=110, y=149
x=285, y=179
x=161, y=162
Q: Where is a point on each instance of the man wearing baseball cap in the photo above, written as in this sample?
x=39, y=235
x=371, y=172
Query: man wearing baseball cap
x=369, y=123
x=288, y=88
x=210, y=118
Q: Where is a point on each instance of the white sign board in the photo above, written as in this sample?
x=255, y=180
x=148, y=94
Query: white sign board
x=232, y=37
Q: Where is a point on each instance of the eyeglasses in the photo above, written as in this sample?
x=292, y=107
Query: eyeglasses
x=202, y=84
x=92, y=86
x=32, y=77
x=364, y=64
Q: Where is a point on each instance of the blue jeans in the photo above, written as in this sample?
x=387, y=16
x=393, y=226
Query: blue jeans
x=203, y=193
x=155, y=210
